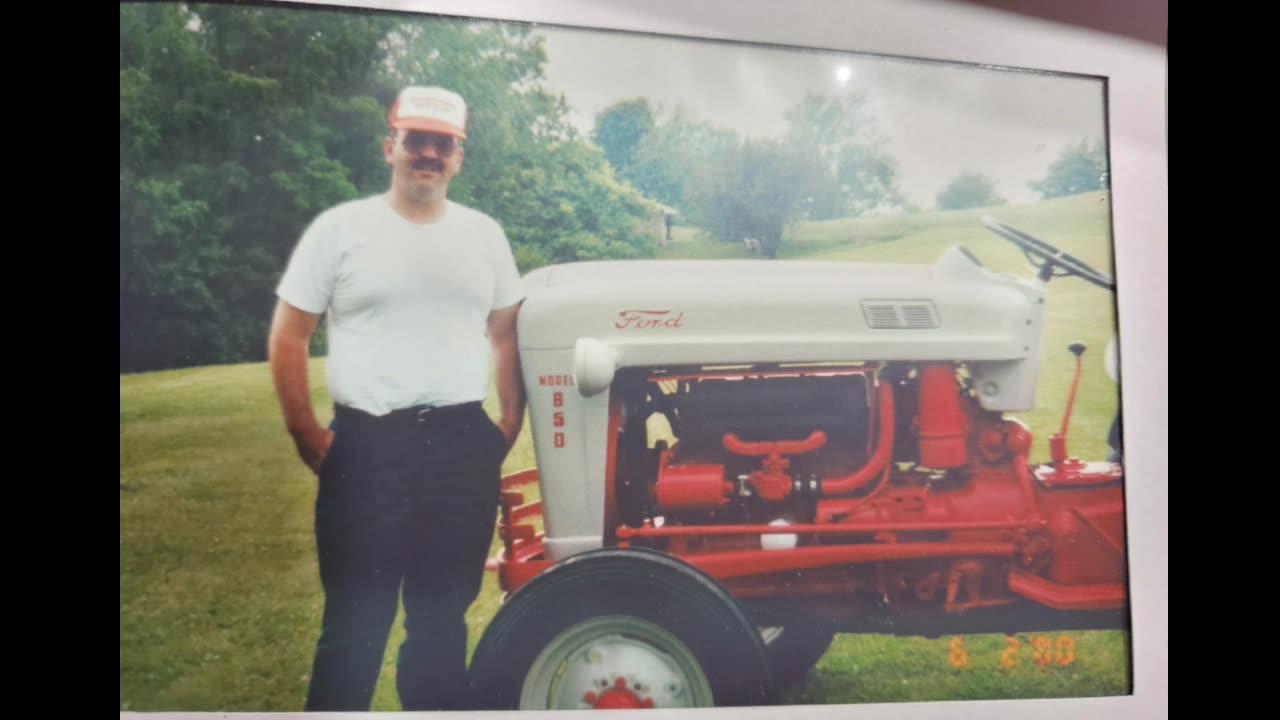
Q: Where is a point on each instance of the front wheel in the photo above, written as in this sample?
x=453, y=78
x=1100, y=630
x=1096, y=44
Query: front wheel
x=620, y=628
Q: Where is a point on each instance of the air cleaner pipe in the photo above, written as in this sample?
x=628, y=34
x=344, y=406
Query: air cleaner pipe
x=879, y=459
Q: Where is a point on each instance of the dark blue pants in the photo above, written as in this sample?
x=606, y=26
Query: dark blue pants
x=406, y=505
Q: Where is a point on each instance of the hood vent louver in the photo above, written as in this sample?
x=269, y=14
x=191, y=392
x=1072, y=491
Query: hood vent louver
x=900, y=314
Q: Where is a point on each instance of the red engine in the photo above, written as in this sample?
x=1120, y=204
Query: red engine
x=884, y=483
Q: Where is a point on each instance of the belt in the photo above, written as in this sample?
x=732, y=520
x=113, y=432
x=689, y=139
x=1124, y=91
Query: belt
x=419, y=414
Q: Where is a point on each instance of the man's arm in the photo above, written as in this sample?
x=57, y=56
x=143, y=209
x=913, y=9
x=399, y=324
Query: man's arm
x=288, y=350
x=506, y=354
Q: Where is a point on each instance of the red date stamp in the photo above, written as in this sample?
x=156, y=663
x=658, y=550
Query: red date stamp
x=1045, y=651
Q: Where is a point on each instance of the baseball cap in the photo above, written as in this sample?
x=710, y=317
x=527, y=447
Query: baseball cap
x=429, y=109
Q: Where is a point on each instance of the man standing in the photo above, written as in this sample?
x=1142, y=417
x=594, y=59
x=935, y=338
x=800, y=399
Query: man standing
x=409, y=468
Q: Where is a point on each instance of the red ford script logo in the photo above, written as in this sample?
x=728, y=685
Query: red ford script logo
x=640, y=319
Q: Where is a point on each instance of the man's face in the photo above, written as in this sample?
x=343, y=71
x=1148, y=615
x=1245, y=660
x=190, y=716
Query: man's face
x=423, y=162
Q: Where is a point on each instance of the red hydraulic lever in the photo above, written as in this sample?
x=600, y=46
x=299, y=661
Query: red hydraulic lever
x=1058, y=442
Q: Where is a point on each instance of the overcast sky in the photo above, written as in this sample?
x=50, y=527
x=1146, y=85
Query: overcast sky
x=939, y=120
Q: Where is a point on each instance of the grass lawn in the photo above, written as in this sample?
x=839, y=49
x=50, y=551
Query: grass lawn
x=220, y=599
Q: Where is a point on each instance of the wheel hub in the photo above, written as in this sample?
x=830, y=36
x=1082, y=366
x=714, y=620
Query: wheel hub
x=617, y=671
x=619, y=697
x=615, y=663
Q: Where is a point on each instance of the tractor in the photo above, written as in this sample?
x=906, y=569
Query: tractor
x=738, y=459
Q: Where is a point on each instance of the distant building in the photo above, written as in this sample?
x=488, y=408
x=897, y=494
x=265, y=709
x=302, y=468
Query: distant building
x=663, y=217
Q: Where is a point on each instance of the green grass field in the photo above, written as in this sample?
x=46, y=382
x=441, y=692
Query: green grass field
x=220, y=598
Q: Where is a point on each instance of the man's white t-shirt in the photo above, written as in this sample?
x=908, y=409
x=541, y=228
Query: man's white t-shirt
x=408, y=303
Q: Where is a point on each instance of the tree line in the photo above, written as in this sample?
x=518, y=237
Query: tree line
x=240, y=123
x=829, y=163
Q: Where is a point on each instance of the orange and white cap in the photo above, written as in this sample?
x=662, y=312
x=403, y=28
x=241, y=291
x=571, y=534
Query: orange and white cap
x=429, y=109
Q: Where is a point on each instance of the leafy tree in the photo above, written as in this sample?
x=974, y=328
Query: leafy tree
x=755, y=191
x=969, y=190
x=236, y=125
x=842, y=131
x=239, y=124
x=620, y=127
x=1078, y=168
x=867, y=180
x=525, y=164
x=828, y=124
x=674, y=152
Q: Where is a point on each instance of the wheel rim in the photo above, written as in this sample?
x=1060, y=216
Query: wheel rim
x=615, y=662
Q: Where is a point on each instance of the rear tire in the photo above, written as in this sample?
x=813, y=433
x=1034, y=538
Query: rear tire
x=794, y=648
x=619, y=628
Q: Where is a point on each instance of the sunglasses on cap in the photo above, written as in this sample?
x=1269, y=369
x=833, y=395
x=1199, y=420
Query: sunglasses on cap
x=416, y=141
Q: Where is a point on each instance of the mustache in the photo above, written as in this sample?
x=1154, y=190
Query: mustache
x=428, y=164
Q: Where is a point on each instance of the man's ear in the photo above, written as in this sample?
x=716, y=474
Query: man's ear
x=388, y=147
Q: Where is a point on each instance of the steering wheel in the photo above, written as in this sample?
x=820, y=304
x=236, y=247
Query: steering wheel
x=1049, y=260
